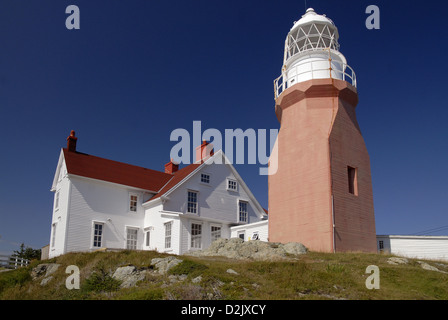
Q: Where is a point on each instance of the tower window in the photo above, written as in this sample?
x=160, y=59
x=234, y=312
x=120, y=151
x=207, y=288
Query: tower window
x=352, y=180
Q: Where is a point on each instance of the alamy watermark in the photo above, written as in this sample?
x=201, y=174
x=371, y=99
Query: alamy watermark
x=240, y=147
x=73, y=20
x=373, y=20
x=373, y=281
x=72, y=281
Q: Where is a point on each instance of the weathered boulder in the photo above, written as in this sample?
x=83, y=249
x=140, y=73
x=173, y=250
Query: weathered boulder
x=293, y=248
x=128, y=276
x=38, y=271
x=46, y=280
x=52, y=268
x=427, y=266
x=47, y=268
x=164, y=264
x=397, y=260
x=231, y=271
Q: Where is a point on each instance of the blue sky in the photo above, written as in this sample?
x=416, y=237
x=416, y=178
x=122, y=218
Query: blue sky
x=136, y=70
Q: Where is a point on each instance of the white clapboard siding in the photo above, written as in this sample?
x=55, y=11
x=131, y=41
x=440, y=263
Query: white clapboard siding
x=214, y=200
x=155, y=221
x=61, y=188
x=260, y=228
x=102, y=202
x=206, y=236
x=421, y=247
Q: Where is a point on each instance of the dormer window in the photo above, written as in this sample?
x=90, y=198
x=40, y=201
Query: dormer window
x=232, y=185
x=205, y=178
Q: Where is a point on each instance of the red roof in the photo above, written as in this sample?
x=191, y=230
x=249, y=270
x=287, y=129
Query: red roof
x=89, y=166
x=86, y=165
x=178, y=177
x=159, y=182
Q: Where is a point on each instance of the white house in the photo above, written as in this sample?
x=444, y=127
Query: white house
x=100, y=203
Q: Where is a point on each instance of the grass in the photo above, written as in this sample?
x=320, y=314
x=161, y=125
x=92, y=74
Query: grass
x=188, y=267
x=312, y=276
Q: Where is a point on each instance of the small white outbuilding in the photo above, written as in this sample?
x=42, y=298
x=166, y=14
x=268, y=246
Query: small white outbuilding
x=420, y=247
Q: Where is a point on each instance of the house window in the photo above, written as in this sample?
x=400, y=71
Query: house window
x=196, y=236
x=242, y=211
x=147, y=238
x=97, y=235
x=133, y=203
x=192, y=202
x=352, y=174
x=131, y=239
x=256, y=236
x=215, y=233
x=53, y=238
x=56, y=201
x=241, y=235
x=205, y=178
x=232, y=185
x=168, y=235
x=381, y=245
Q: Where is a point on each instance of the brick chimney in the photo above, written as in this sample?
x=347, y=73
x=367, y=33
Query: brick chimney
x=204, y=151
x=71, y=141
x=171, y=167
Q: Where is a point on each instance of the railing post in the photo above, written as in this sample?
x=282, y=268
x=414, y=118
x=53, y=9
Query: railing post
x=312, y=70
x=284, y=84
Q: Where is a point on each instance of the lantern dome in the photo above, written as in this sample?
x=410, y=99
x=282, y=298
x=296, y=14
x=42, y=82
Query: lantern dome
x=312, y=32
x=312, y=52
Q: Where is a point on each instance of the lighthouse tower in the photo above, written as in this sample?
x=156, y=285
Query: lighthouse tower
x=320, y=192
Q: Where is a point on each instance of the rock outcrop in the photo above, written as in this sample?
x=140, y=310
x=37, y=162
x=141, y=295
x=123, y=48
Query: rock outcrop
x=46, y=270
x=165, y=264
x=236, y=248
x=128, y=276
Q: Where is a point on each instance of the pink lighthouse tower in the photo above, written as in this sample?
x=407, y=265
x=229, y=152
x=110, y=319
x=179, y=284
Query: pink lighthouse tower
x=320, y=192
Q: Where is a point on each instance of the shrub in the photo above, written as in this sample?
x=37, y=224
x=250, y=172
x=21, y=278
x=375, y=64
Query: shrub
x=101, y=282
